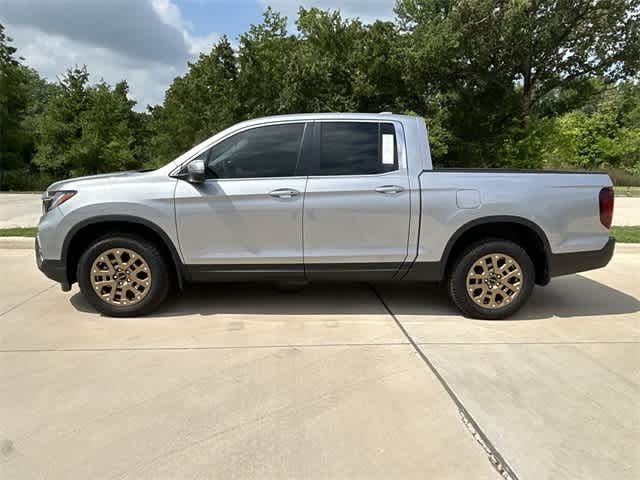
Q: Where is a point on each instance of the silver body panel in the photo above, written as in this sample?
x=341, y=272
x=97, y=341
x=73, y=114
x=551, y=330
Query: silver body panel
x=235, y=221
x=334, y=219
x=146, y=195
x=347, y=221
x=564, y=206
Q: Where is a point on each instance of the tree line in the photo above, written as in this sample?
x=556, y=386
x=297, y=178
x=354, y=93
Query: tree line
x=515, y=83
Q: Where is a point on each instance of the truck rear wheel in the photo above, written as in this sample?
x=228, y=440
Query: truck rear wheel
x=123, y=276
x=492, y=279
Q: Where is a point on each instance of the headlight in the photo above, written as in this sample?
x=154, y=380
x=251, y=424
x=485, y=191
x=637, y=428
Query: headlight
x=51, y=200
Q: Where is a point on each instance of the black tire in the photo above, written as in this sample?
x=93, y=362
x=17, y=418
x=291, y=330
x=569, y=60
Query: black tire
x=160, y=278
x=457, y=281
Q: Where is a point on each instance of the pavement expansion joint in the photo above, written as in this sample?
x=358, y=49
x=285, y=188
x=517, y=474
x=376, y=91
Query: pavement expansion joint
x=203, y=347
x=19, y=304
x=568, y=342
x=494, y=456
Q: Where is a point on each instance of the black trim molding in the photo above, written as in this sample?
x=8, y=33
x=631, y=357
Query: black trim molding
x=244, y=273
x=574, y=262
x=496, y=219
x=352, y=272
x=177, y=262
x=56, y=270
x=435, y=271
x=425, y=272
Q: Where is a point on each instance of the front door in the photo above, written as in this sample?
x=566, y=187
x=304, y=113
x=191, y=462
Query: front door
x=246, y=218
x=356, y=211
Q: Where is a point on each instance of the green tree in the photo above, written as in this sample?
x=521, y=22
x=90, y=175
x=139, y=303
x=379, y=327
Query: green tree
x=197, y=104
x=13, y=107
x=87, y=129
x=263, y=63
x=332, y=64
x=320, y=75
x=605, y=134
x=23, y=95
x=339, y=64
x=39, y=93
x=490, y=78
x=499, y=66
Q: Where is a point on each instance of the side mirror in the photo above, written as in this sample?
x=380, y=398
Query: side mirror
x=195, y=171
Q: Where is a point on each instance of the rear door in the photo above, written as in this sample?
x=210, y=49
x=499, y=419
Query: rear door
x=356, y=207
x=246, y=218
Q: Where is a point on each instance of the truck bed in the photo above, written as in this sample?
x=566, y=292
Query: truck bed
x=562, y=206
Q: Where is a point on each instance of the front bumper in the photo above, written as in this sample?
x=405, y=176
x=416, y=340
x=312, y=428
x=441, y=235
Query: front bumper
x=568, y=263
x=56, y=270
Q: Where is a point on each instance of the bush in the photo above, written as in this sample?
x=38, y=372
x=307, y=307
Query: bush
x=624, y=178
x=23, y=180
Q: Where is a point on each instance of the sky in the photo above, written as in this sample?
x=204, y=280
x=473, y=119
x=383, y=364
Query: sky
x=146, y=42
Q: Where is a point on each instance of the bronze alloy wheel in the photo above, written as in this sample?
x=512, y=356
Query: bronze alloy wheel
x=494, y=280
x=120, y=276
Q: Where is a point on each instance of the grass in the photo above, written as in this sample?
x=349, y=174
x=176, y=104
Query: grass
x=18, y=232
x=626, y=234
x=627, y=191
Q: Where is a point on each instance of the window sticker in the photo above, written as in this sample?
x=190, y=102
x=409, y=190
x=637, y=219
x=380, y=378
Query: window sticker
x=388, y=149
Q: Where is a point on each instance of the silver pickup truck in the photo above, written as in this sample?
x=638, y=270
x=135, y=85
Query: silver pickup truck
x=322, y=197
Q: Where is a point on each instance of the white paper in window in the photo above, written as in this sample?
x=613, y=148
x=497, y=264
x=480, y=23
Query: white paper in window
x=388, y=149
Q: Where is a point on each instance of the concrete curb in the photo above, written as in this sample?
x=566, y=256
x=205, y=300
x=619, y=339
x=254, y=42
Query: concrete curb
x=17, y=243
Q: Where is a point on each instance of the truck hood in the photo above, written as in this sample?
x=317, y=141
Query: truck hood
x=73, y=183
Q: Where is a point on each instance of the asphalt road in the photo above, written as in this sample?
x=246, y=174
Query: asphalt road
x=342, y=381
x=24, y=209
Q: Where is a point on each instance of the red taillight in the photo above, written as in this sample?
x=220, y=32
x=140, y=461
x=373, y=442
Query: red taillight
x=606, y=206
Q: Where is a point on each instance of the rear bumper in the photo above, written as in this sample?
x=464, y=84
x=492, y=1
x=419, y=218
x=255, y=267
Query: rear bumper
x=56, y=270
x=568, y=263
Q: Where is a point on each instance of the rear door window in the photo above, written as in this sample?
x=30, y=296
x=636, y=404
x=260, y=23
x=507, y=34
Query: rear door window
x=357, y=148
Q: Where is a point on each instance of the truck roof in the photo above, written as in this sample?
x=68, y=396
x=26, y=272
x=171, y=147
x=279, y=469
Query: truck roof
x=329, y=116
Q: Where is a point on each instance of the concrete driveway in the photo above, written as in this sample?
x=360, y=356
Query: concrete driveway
x=23, y=210
x=332, y=382
x=20, y=209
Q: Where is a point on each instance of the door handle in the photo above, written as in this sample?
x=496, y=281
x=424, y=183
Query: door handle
x=284, y=193
x=387, y=189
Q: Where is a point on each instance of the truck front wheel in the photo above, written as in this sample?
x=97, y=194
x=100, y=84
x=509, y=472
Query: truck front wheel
x=123, y=276
x=491, y=279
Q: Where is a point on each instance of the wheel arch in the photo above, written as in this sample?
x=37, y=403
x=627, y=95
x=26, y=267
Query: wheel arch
x=517, y=229
x=82, y=234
